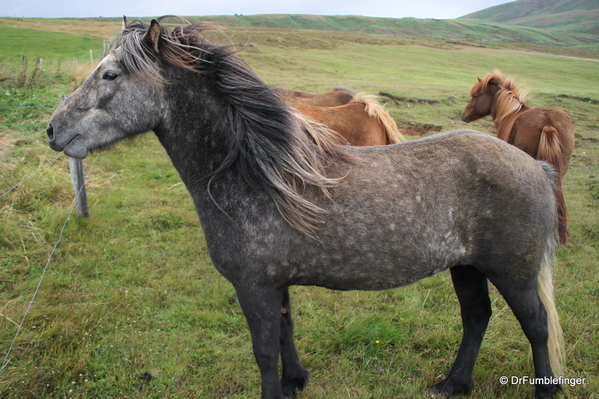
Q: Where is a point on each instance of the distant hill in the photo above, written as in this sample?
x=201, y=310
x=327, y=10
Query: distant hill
x=468, y=30
x=573, y=16
x=568, y=27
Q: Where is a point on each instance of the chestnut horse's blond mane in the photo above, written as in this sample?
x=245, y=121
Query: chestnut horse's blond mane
x=508, y=100
x=374, y=109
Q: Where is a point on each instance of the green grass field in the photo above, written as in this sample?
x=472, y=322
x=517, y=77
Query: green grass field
x=131, y=306
x=50, y=45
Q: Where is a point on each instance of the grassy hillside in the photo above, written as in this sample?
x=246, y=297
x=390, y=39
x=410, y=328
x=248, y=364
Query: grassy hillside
x=460, y=30
x=466, y=31
x=574, y=16
x=131, y=306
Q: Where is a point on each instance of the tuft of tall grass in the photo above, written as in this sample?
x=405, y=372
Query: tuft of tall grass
x=40, y=73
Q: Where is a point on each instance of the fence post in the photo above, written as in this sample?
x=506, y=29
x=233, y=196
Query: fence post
x=78, y=180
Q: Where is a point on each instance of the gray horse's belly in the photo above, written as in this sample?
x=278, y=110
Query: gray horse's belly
x=371, y=274
x=379, y=259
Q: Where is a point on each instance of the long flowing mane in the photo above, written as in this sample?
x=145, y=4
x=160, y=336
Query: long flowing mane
x=375, y=110
x=268, y=143
x=508, y=100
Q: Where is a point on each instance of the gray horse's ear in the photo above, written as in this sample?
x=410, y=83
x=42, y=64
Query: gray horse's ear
x=152, y=37
x=125, y=21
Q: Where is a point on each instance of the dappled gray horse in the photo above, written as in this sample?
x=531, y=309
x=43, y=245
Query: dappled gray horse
x=281, y=205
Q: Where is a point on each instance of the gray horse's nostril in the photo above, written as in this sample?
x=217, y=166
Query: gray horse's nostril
x=50, y=133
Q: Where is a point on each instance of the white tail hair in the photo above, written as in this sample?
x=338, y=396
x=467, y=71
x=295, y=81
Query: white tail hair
x=555, y=342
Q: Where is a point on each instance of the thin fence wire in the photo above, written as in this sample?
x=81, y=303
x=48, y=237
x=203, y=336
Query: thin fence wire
x=31, y=175
x=48, y=261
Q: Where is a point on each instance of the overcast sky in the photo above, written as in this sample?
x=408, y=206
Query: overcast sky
x=441, y=9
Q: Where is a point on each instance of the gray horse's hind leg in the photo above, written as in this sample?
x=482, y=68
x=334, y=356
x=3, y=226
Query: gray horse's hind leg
x=529, y=310
x=473, y=294
x=262, y=309
x=295, y=376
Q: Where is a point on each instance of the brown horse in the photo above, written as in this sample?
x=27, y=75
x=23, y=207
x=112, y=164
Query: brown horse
x=362, y=121
x=331, y=99
x=546, y=134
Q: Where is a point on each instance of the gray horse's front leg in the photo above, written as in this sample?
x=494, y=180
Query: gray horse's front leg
x=262, y=309
x=295, y=376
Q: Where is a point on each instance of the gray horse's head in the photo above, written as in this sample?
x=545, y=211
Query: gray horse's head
x=112, y=104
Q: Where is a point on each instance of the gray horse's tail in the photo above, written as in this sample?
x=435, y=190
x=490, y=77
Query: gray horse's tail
x=555, y=342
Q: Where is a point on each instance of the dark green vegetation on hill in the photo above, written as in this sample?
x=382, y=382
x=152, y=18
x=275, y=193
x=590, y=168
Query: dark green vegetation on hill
x=573, y=16
x=567, y=26
x=131, y=306
x=458, y=30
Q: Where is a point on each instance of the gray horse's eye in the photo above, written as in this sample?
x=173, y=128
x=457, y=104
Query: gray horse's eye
x=110, y=75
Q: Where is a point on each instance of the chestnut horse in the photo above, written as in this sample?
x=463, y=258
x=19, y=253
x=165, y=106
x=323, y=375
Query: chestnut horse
x=361, y=122
x=546, y=134
x=359, y=119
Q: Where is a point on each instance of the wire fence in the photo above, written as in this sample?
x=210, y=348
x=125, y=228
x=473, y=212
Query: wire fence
x=31, y=175
x=79, y=202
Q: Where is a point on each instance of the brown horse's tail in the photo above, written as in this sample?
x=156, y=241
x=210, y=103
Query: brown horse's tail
x=374, y=109
x=550, y=151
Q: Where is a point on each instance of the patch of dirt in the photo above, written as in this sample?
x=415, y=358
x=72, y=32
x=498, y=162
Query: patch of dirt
x=398, y=100
x=581, y=99
x=418, y=129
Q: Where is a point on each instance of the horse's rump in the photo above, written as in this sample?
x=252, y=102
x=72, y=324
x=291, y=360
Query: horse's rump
x=361, y=122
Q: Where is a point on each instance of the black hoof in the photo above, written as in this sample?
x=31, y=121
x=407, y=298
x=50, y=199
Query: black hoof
x=291, y=385
x=547, y=391
x=448, y=389
x=433, y=393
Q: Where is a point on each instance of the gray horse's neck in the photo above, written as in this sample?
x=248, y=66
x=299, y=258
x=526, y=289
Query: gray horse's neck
x=195, y=138
x=189, y=133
